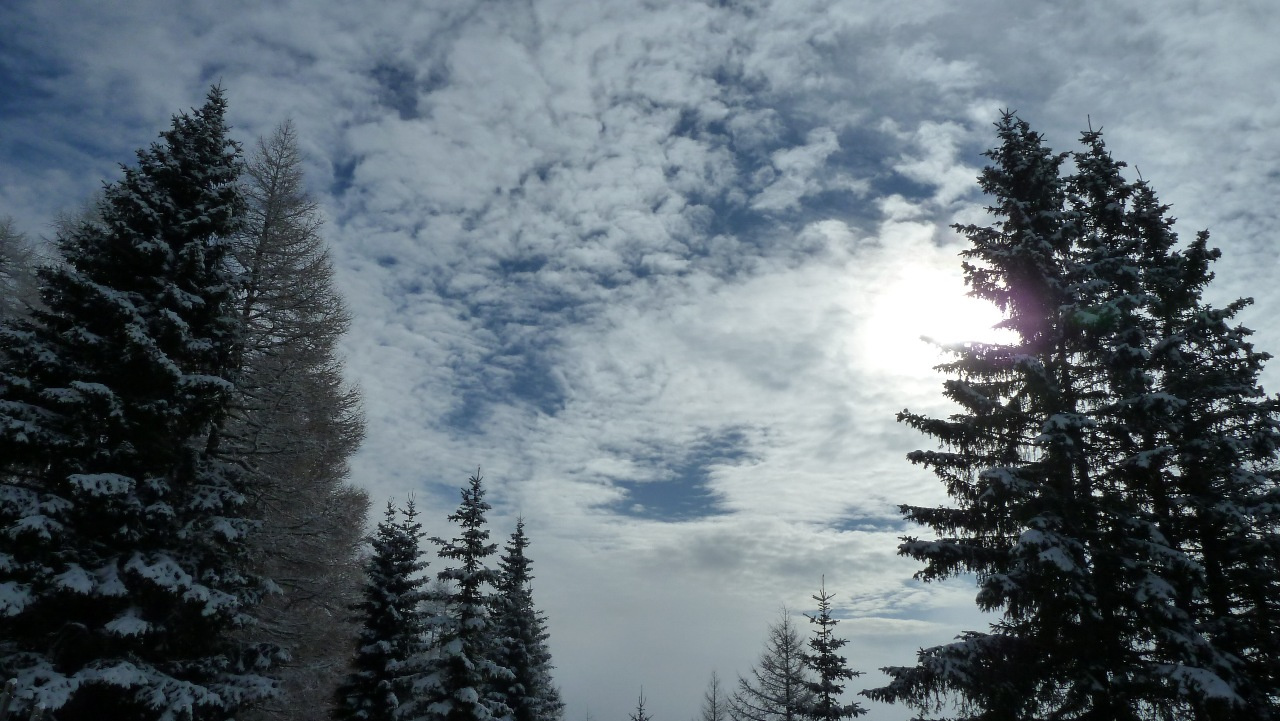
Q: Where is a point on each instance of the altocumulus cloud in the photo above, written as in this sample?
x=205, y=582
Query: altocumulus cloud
x=661, y=268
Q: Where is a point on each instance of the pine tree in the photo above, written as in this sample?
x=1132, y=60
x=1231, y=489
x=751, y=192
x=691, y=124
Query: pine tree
x=829, y=667
x=392, y=624
x=1079, y=467
x=521, y=635
x=293, y=425
x=459, y=676
x=714, y=704
x=122, y=560
x=777, y=687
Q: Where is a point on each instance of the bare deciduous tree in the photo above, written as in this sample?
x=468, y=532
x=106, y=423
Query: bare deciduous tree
x=295, y=425
x=18, y=287
x=715, y=706
x=777, y=687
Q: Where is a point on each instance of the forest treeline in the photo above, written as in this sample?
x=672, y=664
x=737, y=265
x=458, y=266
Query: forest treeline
x=471, y=646
x=793, y=680
x=179, y=540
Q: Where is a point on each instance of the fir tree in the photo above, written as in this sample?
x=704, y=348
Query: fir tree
x=1090, y=455
x=521, y=637
x=458, y=677
x=777, y=687
x=392, y=623
x=829, y=667
x=122, y=571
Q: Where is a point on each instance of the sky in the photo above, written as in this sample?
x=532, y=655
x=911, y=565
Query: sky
x=660, y=270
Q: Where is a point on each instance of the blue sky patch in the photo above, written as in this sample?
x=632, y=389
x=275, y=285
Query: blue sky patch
x=684, y=492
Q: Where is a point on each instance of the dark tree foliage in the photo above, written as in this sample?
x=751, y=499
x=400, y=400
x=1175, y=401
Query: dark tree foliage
x=122, y=572
x=1111, y=467
x=520, y=635
x=830, y=668
x=392, y=623
x=457, y=679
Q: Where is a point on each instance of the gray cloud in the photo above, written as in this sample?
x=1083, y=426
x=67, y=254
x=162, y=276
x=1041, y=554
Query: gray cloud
x=580, y=239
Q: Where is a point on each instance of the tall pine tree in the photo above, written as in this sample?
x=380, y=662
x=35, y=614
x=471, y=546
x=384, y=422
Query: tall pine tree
x=1089, y=456
x=520, y=632
x=122, y=570
x=392, y=624
x=830, y=669
x=458, y=678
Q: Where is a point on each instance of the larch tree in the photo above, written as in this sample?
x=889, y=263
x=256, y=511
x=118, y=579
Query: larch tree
x=19, y=290
x=1091, y=457
x=458, y=678
x=293, y=425
x=392, y=624
x=777, y=686
x=830, y=669
x=123, y=534
x=714, y=703
x=520, y=635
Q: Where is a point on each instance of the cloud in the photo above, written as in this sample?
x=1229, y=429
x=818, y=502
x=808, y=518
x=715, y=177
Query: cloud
x=662, y=268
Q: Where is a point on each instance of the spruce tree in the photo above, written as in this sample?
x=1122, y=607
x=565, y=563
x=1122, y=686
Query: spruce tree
x=392, y=624
x=521, y=636
x=640, y=714
x=1078, y=462
x=1205, y=467
x=457, y=679
x=122, y=571
x=830, y=669
x=777, y=687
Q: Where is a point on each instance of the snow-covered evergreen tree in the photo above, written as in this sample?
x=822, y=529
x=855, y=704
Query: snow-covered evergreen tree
x=830, y=669
x=457, y=679
x=122, y=554
x=1090, y=455
x=392, y=624
x=1200, y=449
x=1185, y=436
x=520, y=634
x=777, y=687
x=293, y=425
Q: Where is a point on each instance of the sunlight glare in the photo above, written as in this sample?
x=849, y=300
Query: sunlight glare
x=918, y=302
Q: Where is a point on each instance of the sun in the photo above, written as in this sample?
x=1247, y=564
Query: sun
x=912, y=302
